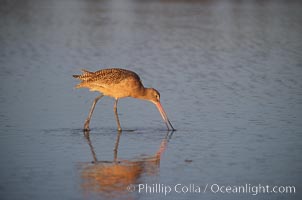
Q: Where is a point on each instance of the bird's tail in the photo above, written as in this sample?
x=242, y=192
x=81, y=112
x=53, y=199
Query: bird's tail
x=76, y=76
x=84, y=76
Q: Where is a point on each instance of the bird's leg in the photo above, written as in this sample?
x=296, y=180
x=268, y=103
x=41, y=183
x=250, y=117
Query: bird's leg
x=87, y=121
x=116, y=116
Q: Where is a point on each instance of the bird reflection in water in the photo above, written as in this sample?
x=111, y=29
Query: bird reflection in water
x=111, y=178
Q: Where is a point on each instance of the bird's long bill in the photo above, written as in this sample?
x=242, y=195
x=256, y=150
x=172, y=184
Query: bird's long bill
x=164, y=115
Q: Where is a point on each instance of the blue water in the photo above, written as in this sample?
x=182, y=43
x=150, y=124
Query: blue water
x=229, y=74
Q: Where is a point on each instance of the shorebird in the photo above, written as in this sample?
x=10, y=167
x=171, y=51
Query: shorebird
x=118, y=83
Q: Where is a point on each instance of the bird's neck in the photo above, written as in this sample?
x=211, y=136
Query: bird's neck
x=142, y=93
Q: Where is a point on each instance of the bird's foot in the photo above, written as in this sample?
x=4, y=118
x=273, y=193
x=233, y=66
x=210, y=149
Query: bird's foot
x=86, y=130
x=86, y=125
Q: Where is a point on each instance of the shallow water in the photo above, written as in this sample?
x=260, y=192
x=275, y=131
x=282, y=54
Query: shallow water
x=229, y=74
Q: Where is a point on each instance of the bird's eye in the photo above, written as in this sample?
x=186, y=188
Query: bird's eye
x=157, y=96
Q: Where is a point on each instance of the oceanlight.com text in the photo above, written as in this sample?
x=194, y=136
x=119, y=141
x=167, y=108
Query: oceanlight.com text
x=250, y=189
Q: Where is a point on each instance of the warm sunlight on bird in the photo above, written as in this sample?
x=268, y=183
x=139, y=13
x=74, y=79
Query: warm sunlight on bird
x=119, y=83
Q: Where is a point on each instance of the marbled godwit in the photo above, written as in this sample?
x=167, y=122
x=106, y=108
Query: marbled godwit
x=119, y=83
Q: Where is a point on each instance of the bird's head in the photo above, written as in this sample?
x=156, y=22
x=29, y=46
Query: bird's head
x=152, y=95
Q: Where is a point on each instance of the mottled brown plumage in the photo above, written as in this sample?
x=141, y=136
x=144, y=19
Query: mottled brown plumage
x=107, y=76
x=118, y=83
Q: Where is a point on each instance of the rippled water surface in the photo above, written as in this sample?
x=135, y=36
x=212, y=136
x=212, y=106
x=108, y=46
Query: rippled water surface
x=229, y=74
